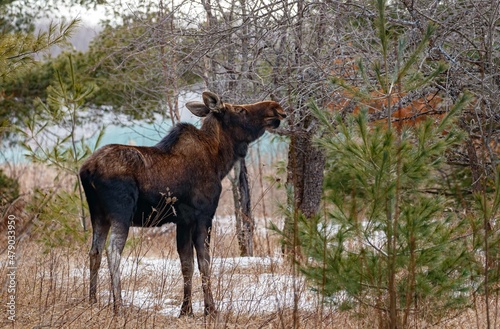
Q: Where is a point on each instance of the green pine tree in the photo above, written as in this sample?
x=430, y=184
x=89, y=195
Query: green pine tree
x=387, y=239
x=383, y=222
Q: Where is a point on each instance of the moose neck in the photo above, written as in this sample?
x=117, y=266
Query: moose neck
x=227, y=148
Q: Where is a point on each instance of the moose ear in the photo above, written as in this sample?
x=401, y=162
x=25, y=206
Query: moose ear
x=212, y=101
x=198, y=108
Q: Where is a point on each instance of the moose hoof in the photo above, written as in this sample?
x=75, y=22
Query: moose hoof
x=118, y=308
x=186, y=310
x=188, y=314
x=118, y=311
x=211, y=311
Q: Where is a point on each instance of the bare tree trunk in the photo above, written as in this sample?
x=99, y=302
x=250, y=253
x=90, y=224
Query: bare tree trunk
x=209, y=66
x=305, y=173
x=242, y=208
x=232, y=64
x=247, y=220
x=169, y=63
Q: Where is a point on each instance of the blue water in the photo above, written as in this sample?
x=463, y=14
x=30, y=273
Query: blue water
x=139, y=133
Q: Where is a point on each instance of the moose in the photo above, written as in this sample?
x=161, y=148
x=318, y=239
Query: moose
x=127, y=185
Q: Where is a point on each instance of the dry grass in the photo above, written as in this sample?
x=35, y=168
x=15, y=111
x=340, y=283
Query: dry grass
x=37, y=176
x=52, y=291
x=52, y=287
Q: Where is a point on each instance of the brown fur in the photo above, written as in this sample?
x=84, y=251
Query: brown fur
x=178, y=180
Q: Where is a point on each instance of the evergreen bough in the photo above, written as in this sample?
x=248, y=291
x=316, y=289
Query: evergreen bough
x=384, y=217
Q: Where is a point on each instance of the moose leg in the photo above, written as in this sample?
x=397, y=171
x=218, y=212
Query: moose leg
x=202, y=245
x=186, y=254
x=117, y=239
x=99, y=235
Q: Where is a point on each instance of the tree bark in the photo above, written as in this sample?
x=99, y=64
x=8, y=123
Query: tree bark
x=306, y=164
x=305, y=172
x=242, y=208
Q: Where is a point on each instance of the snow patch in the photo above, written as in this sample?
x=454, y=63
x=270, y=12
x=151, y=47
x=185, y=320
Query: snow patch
x=238, y=284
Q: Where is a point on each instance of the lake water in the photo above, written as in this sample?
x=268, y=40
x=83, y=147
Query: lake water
x=120, y=130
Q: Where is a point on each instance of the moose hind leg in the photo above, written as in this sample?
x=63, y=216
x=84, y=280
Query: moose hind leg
x=99, y=235
x=202, y=245
x=186, y=255
x=117, y=239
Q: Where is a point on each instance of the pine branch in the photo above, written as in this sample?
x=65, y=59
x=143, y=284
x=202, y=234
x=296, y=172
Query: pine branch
x=57, y=34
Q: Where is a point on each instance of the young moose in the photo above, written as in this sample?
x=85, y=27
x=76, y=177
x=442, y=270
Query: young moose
x=127, y=186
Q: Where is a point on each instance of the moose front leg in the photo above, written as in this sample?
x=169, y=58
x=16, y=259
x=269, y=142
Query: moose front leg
x=186, y=255
x=202, y=245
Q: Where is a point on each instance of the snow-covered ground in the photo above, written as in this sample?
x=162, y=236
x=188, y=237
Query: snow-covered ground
x=253, y=285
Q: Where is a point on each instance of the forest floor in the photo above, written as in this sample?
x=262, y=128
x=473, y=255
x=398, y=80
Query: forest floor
x=51, y=284
x=250, y=292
